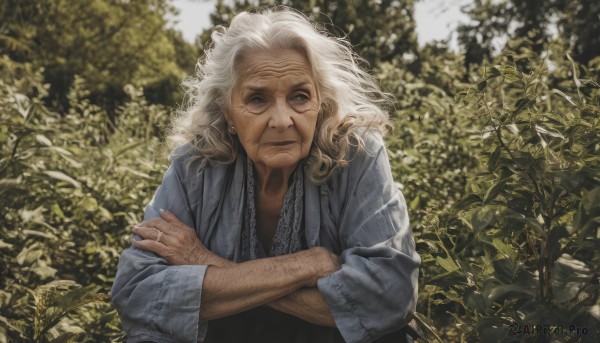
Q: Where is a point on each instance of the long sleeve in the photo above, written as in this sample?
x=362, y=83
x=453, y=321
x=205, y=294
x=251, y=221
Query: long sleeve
x=156, y=301
x=374, y=293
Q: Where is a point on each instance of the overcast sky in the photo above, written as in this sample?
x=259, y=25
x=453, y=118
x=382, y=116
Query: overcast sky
x=435, y=19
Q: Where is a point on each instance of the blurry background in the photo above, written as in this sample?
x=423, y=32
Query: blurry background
x=434, y=19
x=496, y=143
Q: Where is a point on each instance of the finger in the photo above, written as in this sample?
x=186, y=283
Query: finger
x=159, y=224
x=186, y=232
x=149, y=245
x=171, y=218
x=148, y=233
x=154, y=222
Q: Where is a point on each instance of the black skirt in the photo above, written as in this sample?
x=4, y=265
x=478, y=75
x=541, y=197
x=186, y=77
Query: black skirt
x=265, y=325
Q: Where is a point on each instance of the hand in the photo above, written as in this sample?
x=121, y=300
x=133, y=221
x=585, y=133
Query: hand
x=307, y=304
x=174, y=241
x=323, y=263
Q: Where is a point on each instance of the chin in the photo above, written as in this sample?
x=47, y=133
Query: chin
x=280, y=161
x=283, y=164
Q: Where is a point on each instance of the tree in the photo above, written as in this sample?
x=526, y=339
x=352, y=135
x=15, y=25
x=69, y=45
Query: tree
x=577, y=21
x=108, y=43
x=380, y=31
x=581, y=25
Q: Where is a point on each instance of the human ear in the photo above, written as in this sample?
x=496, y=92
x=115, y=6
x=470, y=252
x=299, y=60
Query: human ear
x=227, y=116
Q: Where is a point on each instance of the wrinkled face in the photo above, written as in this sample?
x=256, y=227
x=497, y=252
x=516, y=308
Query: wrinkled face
x=274, y=107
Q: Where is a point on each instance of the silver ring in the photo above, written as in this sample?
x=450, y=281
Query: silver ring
x=159, y=235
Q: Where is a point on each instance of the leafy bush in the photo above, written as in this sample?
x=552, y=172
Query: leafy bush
x=521, y=247
x=109, y=43
x=431, y=147
x=501, y=175
x=70, y=185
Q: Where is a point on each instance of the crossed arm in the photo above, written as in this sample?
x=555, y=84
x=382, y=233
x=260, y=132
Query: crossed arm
x=285, y=283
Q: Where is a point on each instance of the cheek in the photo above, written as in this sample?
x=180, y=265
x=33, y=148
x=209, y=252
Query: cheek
x=248, y=139
x=245, y=123
x=307, y=129
x=249, y=135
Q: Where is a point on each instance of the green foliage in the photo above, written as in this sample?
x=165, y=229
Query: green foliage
x=431, y=149
x=522, y=245
x=494, y=21
x=52, y=303
x=501, y=174
x=108, y=43
x=384, y=35
x=70, y=185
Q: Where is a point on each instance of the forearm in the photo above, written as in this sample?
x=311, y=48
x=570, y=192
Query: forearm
x=230, y=288
x=307, y=304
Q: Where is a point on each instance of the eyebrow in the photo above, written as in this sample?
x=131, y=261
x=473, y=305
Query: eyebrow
x=262, y=89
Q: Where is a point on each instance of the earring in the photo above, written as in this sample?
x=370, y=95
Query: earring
x=231, y=130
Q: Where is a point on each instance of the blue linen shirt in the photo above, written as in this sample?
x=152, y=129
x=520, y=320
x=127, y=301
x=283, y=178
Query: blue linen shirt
x=358, y=214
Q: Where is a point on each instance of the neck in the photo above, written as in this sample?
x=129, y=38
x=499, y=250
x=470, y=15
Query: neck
x=272, y=181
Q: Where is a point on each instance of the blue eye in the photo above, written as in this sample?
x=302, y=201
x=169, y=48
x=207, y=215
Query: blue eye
x=257, y=100
x=301, y=97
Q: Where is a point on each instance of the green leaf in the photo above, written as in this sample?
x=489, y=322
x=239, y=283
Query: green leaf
x=493, y=329
x=510, y=73
x=500, y=292
x=61, y=151
x=491, y=72
x=465, y=202
x=531, y=222
x=67, y=338
x=6, y=182
x=4, y=245
x=23, y=105
x=446, y=278
x=132, y=171
x=591, y=199
x=105, y=213
x=29, y=254
x=481, y=86
x=19, y=326
x=55, y=208
x=495, y=190
x=475, y=300
x=428, y=327
x=543, y=131
x=575, y=70
x=39, y=234
x=483, y=218
x=566, y=97
x=43, y=140
x=128, y=147
x=493, y=160
x=504, y=269
x=523, y=103
x=43, y=270
x=62, y=177
x=590, y=111
x=447, y=263
x=53, y=304
x=88, y=204
x=505, y=249
x=414, y=204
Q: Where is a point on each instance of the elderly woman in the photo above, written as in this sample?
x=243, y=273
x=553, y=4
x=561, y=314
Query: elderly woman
x=278, y=219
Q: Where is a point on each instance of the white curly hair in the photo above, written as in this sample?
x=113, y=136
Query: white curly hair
x=351, y=100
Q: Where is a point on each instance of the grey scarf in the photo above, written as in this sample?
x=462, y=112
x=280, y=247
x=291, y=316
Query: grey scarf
x=289, y=236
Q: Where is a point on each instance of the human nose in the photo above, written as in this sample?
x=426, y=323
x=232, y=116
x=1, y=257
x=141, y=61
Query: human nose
x=281, y=115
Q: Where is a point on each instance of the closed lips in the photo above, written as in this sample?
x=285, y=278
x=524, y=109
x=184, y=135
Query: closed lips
x=282, y=143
